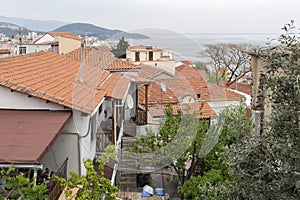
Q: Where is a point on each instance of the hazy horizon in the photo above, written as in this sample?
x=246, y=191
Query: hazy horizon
x=190, y=16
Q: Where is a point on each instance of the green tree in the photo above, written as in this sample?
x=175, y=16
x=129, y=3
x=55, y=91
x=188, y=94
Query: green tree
x=93, y=185
x=20, y=187
x=120, y=50
x=267, y=166
x=180, y=137
x=233, y=124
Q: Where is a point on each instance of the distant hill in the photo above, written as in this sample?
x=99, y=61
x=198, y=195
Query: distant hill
x=83, y=29
x=11, y=29
x=33, y=24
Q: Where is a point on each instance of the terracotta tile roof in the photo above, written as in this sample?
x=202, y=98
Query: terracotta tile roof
x=206, y=111
x=187, y=71
x=64, y=34
x=52, y=77
x=102, y=58
x=4, y=51
x=187, y=62
x=200, y=88
x=242, y=87
x=26, y=136
x=60, y=34
x=157, y=96
x=149, y=71
x=221, y=93
x=207, y=91
x=179, y=86
x=116, y=86
x=177, y=89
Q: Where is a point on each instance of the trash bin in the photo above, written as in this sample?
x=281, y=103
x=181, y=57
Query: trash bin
x=160, y=191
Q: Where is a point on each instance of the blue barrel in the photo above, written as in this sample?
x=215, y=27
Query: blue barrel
x=160, y=191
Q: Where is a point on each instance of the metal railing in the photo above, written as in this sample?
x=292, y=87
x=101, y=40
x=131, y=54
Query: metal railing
x=54, y=187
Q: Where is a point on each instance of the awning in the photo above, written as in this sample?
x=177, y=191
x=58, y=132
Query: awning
x=26, y=136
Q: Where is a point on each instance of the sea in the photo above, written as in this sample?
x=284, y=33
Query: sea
x=188, y=46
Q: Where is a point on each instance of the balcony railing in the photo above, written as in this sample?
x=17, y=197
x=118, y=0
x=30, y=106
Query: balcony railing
x=54, y=187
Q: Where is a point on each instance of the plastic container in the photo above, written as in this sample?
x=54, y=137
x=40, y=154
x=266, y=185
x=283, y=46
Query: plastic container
x=160, y=191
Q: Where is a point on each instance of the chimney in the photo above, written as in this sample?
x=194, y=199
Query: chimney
x=81, y=74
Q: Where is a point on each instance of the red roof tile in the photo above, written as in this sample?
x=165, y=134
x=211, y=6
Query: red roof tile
x=206, y=111
x=149, y=72
x=101, y=58
x=242, y=87
x=221, y=93
x=54, y=78
x=116, y=86
x=157, y=96
x=187, y=71
x=26, y=136
x=4, y=51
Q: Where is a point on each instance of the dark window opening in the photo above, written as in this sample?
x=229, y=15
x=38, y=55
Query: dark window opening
x=137, y=56
x=150, y=56
x=198, y=95
x=22, y=50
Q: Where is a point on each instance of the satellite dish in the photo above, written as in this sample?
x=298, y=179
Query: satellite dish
x=163, y=87
x=129, y=101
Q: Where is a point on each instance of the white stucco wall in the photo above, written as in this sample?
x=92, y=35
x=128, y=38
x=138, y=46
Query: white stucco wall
x=218, y=106
x=45, y=38
x=31, y=48
x=64, y=147
x=17, y=100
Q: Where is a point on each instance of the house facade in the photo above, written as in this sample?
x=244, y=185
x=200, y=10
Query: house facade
x=149, y=55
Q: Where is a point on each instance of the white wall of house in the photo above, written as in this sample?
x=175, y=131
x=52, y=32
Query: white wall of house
x=65, y=146
x=80, y=127
x=219, y=105
x=45, y=38
x=17, y=100
x=31, y=48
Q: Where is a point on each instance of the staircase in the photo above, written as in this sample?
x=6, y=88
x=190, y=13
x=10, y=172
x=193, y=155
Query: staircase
x=128, y=181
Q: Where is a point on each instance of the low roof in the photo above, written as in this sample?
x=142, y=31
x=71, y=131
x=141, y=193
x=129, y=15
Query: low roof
x=205, y=113
x=143, y=48
x=60, y=34
x=116, y=86
x=54, y=78
x=4, y=51
x=187, y=71
x=26, y=136
x=222, y=93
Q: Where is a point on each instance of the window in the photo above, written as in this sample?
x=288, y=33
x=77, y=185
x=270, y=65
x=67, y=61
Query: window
x=137, y=56
x=22, y=50
x=199, y=96
x=151, y=56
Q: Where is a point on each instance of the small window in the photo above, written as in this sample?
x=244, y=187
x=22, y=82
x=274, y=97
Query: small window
x=151, y=56
x=137, y=56
x=22, y=50
x=199, y=96
x=100, y=109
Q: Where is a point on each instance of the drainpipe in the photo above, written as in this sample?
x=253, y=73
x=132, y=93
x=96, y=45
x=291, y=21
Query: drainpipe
x=79, y=146
x=146, y=103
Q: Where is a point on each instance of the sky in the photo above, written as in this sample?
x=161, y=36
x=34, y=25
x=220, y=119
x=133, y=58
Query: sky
x=183, y=16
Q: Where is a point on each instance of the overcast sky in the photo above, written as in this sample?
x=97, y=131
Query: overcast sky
x=183, y=16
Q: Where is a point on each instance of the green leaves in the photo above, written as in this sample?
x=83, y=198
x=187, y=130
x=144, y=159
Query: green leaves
x=22, y=188
x=120, y=50
x=93, y=185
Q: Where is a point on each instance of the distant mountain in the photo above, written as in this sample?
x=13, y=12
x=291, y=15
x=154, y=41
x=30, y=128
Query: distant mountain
x=11, y=29
x=32, y=24
x=83, y=29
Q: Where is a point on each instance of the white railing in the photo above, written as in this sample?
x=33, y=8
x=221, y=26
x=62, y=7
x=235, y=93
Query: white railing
x=119, y=150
